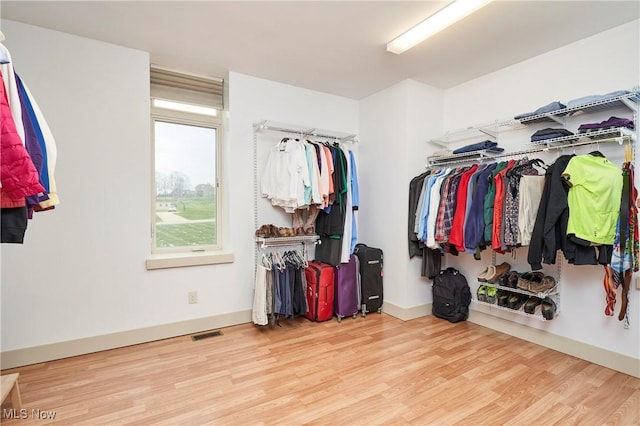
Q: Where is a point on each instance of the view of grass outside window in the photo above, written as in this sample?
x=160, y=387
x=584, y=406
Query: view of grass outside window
x=185, y=186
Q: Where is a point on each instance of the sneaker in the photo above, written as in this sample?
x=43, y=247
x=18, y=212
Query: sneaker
x=492, y=294
x=482, y=293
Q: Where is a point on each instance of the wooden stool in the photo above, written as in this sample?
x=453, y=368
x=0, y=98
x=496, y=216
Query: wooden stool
x=10, y=386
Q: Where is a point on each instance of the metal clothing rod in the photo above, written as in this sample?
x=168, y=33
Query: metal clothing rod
x=287, y=241
x=342, y=137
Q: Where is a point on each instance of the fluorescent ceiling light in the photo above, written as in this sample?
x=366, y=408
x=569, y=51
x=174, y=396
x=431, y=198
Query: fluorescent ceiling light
x=435, y=23
x=179, y=106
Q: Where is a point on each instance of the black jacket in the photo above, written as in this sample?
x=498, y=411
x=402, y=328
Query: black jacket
x=550, y=229
x=415, y=187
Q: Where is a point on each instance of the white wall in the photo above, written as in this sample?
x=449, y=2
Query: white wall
x=563, y=74
x=393, y=123
x=383, y=129
x=81, y=271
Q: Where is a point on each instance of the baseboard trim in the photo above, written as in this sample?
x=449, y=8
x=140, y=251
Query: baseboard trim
x=53, y=351
x=406, y=314
x=615, y=361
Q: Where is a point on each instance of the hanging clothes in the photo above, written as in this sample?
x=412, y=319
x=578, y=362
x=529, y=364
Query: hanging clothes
x=415, y=190
x=529, y=197
x=331, y=221
x=456, y=238
x=18, y=175
x=455, y=210
x=474, y=230
x=317, y=183
x=47, y=145
x=259, y=312
x=11, y=90
x=286, y=175
x=348, y=242
x=595, y=191
x=27, y=155
x=512, y=202
x=279, y=287
x=626, y=250
x=355, y=201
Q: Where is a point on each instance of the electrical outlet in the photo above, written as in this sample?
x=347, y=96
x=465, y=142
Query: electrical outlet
x=193, y=297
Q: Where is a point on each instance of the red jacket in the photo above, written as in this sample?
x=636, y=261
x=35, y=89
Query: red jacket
x=18, y=175
x=456, y=237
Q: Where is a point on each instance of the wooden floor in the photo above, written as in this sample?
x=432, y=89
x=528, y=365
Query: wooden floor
x=373, y=370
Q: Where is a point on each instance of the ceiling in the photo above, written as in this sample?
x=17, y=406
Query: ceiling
x=336, y=47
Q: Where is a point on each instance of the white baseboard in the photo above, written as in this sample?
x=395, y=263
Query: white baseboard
x=406, y=314
x=49, y=352
x=615, y=361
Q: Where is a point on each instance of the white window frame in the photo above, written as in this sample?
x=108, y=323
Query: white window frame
x=193, y=255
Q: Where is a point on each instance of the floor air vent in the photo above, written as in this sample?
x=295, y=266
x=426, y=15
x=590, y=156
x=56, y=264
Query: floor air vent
x=206, y=335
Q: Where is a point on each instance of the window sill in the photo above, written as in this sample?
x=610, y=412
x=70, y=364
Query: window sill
x=178, y=260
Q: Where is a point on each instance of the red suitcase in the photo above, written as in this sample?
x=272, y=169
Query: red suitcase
x=320, y=282
x=347, y=291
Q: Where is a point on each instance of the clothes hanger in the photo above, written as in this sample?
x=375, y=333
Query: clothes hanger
x=299, y=258
x=276, y=260
x=266, y=262
x=527, y=163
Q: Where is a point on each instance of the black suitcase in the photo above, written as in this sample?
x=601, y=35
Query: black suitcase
x=371, y=265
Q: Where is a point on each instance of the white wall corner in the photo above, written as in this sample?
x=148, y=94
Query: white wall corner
x=406, y=313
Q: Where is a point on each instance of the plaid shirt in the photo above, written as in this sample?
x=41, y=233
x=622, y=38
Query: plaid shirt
x=447, y=206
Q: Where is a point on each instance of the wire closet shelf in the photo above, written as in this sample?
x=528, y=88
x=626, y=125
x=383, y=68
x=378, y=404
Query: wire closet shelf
x=617, y=135
x=303, y=132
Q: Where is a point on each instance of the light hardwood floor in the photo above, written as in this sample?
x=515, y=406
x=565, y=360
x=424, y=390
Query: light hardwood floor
x=373, y=370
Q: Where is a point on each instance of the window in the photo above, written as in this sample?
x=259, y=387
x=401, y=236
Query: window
x=186, y=196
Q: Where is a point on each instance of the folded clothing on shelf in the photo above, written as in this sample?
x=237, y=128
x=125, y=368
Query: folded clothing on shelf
x=549, y=133
x=595, y=98
x=441, y=153
x=607, y=124
x=479, y=146
x=553, y=106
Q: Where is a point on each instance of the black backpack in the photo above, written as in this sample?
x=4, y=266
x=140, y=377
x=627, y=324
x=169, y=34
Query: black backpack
x=451, y=295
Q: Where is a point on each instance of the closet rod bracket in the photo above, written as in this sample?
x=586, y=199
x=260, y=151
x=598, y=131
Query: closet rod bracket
x=633, y=106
